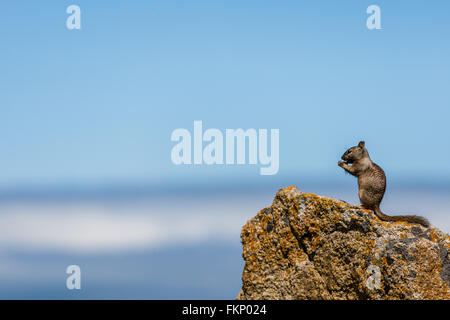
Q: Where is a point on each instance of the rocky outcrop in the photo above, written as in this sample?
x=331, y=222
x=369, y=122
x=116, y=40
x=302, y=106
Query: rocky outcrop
x=309, y=247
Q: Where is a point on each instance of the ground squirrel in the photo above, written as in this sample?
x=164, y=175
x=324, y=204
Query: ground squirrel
x=371, y=183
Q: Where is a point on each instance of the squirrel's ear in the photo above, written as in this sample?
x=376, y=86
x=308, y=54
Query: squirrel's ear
x=361, y=144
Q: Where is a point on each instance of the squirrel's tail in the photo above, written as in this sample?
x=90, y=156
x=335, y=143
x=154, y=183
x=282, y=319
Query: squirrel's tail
x=410, y=219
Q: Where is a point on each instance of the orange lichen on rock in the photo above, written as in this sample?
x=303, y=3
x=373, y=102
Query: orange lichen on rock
x=305, y=246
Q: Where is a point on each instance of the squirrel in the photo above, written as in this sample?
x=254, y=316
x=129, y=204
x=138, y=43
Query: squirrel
x=371, y=183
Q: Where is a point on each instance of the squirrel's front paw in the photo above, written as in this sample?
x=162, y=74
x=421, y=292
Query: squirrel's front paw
x=341, y=163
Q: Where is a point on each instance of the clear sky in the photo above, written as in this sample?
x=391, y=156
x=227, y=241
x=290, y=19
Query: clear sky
x=99, y=104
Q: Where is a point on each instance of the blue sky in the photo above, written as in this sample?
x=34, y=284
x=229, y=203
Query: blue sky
x=98, y=105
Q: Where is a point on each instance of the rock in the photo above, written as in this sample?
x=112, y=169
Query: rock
x=309, y=247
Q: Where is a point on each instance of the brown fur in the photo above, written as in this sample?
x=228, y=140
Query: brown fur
x=371, y=183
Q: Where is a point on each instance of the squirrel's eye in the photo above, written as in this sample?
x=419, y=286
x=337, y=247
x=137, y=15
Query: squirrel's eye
x=350, y=151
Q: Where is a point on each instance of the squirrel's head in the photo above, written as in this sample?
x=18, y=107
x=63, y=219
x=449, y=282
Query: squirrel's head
x=355, y=153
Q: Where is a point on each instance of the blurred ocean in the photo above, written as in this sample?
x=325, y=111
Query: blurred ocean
x=139, y=243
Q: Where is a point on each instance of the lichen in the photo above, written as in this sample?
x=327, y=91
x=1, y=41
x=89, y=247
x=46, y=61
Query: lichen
x=307, y=246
